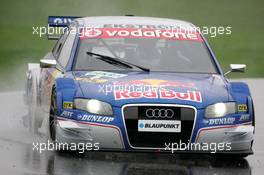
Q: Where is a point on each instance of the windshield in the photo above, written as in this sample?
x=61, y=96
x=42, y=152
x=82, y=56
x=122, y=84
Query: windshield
x=153, y=53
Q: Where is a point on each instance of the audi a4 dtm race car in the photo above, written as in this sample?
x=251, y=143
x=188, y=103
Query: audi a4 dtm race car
x=138, y=84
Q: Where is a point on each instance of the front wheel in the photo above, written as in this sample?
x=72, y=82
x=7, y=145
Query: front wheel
x=52, y=115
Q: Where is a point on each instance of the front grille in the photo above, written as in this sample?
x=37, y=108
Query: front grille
x=157, y=139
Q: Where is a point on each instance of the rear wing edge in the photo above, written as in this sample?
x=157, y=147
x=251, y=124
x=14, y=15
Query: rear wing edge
x=61, y=21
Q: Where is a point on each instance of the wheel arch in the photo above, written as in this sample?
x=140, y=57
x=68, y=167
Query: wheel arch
x=241, y=93
x=65, y=89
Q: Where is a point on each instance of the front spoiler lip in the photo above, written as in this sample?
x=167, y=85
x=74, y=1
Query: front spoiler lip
x=242, y=152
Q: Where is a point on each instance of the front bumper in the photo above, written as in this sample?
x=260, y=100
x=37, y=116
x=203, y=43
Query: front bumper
x=107, y=136
x=240, y=137
x=110, y=137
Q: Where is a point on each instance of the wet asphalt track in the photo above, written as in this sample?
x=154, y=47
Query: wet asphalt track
x=17, y=157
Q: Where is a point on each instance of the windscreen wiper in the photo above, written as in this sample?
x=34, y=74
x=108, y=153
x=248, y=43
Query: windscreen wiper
x=117, y=61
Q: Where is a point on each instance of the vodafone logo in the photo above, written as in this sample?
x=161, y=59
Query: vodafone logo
x=141, y=33
x=92, y=33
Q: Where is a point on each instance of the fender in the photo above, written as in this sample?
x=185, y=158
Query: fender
x=240, y=91
x=241, y=94
x=240, y=87
x=65, y=89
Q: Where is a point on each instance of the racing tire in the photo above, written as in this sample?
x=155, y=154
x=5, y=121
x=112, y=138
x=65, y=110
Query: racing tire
x=53, y=122
x=52, y=115
x=253, y=116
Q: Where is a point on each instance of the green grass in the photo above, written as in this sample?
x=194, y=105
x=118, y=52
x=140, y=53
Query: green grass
x=18, y=46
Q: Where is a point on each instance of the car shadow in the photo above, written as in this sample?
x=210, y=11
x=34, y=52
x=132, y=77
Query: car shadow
x=144, y=163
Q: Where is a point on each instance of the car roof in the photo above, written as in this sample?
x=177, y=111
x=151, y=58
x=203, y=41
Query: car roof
x=101, y=21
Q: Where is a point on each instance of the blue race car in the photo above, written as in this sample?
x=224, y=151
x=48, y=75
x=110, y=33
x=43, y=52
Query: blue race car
x=138, y=84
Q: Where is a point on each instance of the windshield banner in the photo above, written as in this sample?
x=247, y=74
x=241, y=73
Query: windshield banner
x=172, y=34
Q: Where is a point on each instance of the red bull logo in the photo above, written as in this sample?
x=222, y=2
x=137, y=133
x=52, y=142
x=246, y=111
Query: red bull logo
x=156, y=88
x=194, y=96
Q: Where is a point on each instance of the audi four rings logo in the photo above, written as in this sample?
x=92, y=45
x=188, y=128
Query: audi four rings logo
x=159, y=113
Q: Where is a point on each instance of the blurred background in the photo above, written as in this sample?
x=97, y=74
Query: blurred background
x=19, y=46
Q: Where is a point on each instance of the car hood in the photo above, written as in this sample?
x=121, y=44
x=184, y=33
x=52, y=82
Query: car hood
x=118, y=88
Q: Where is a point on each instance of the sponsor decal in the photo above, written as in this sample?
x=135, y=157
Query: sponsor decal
x=67, y=105
x=66, y=114
x=60, y=20
x=92, y=32
x=99, y=76
x=144, y=26
x=161, y=93
x=124, y=95
x=156, y=83
x=159, y=113
x=95, y=118
x=99, y=80
x=242, y=108
x=105, y=74
x=159, y=125
x=244, y=117
x=172, y=34
x=188, y=96
x=219, y=121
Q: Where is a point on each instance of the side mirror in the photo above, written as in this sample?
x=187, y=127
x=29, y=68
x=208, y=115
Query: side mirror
x=45, y=63
x=236, y=68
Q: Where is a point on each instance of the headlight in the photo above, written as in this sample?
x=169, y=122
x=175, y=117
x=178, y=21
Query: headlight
x=220, y=110
x=93, y=106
